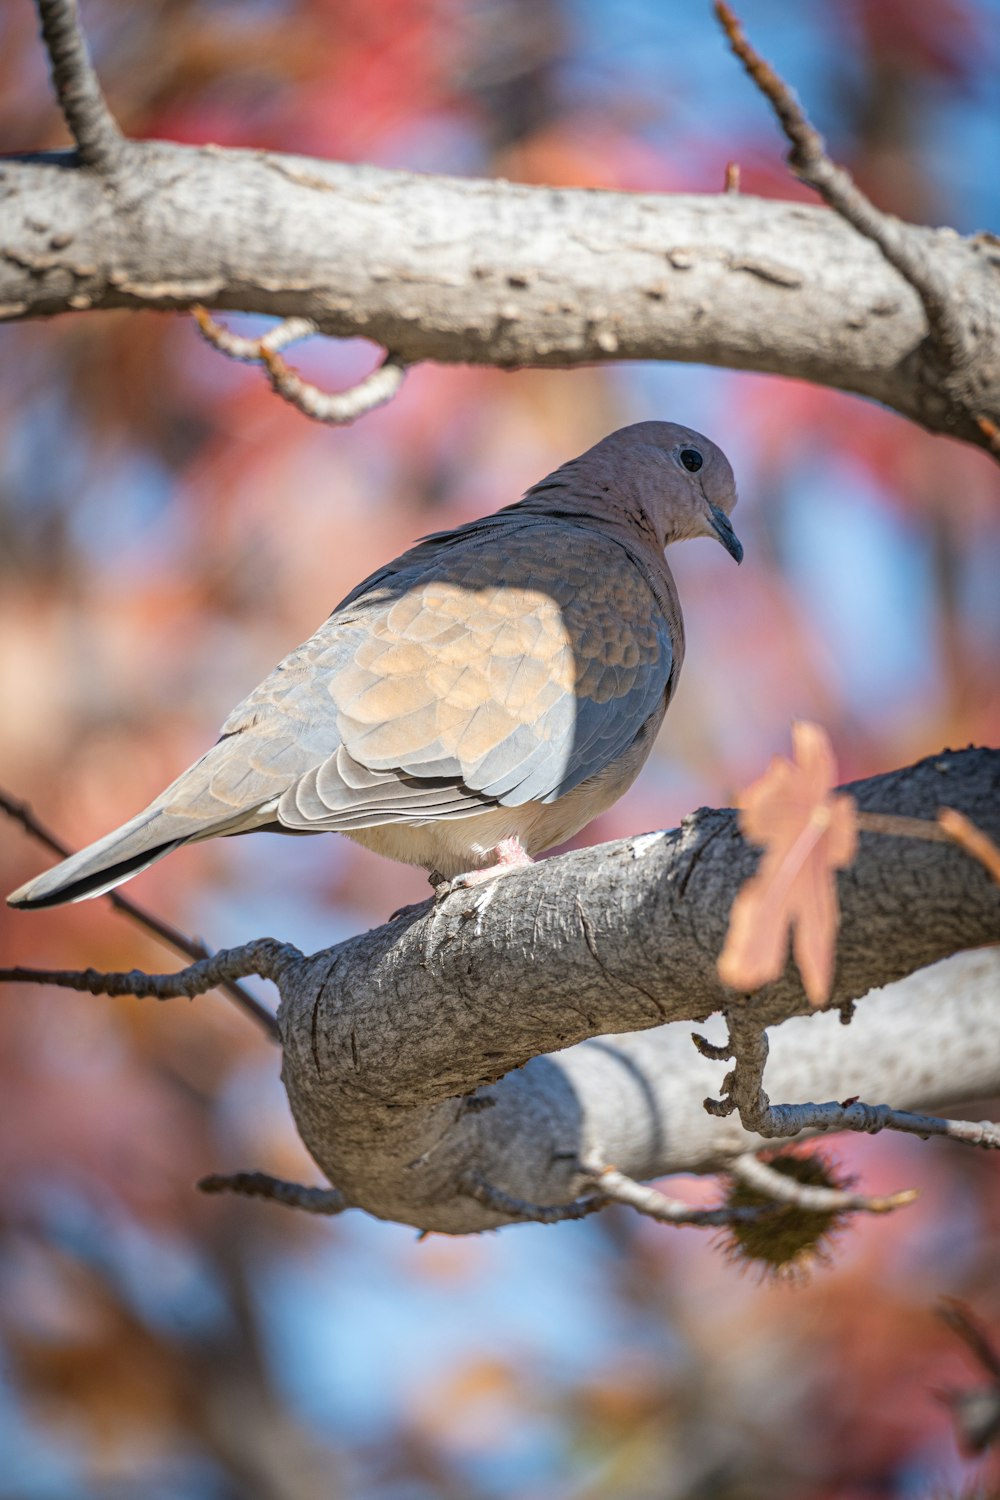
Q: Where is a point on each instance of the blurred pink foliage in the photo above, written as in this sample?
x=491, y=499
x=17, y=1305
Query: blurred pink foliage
x=168, y=530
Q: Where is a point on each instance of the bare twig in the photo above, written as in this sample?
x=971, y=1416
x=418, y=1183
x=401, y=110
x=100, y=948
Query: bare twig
x=165, y=931
x=85, y=109
x=711, y=1050
x=781, y=1188
x=615, y=1187
x=264, y=956
x=743, y=1093
x=732, y=179
x=808, y=159
x=287, y=332
x=894, y=825
x=313, y=1200
x=335, y=408
x=962, y=831
x=474, y=1186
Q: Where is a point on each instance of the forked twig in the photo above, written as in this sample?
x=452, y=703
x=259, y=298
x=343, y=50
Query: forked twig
x=809, y=160
x=782, y=1188
x=743, y=1094
x=264, y=956
x=335, y=408
x=165, y=931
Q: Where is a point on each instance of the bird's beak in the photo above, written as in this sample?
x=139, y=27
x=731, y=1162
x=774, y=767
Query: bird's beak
x=723, y=528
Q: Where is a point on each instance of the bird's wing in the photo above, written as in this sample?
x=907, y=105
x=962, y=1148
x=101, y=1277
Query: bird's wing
x=499, y=666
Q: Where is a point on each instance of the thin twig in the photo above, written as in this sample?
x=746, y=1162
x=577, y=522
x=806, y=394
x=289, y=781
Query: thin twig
x=290, y=331
x=85, y=109
x=895, y=825
x=165, y=931
x=313, y=1200
x=335, y=408
x=975, y=1412
x=782, y=1188
x=618, y=1188
x=950, y=827
x=991, y=432
x=808, y=159
x=743, y=1093
x=264, y=956
x=332, y=407
x=475, y=1186
x=962, y=831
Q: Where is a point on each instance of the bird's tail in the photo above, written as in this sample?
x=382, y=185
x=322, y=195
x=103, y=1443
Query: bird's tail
x=101, y=866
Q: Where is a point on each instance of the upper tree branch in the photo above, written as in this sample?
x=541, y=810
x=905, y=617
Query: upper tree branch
x=497, y=273
x=91, y=123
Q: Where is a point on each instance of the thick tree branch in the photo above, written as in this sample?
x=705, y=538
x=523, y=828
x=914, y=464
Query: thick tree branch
x=497, y=273
x=385, y=1034
x=91, y=123
x=412, y=1053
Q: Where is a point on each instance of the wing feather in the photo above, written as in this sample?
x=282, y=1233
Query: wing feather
x=495, y=665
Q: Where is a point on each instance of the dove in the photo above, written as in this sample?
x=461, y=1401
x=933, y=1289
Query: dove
x=472, y=703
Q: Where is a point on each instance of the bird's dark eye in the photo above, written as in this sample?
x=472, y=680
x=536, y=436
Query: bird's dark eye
x=691, y=459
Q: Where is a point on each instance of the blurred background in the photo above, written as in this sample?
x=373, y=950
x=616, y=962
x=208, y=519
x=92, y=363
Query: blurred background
x=169, y=529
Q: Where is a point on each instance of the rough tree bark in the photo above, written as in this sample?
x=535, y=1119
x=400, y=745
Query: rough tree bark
x=434, y=268
x=385, y=1036
x=421, y=1060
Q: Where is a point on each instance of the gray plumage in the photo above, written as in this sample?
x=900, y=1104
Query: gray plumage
x=502, y=681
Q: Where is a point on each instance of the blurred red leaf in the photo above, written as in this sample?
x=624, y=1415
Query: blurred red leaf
x=807, y=832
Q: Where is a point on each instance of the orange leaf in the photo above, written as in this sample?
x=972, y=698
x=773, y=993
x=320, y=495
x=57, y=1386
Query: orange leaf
x=807, y=831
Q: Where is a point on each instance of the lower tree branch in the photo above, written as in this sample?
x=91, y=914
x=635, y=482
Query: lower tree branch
x=469, y=1062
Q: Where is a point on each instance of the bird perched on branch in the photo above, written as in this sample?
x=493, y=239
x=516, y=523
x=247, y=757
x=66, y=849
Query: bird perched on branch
x=473, y=702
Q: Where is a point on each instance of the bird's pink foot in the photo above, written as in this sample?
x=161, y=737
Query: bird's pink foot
x=510, y=855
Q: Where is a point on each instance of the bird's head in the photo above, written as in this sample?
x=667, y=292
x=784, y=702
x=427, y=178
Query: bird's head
x=667, y=481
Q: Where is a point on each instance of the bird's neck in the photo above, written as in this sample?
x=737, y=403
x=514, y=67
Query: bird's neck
x=599, y=500
x=625, y=522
